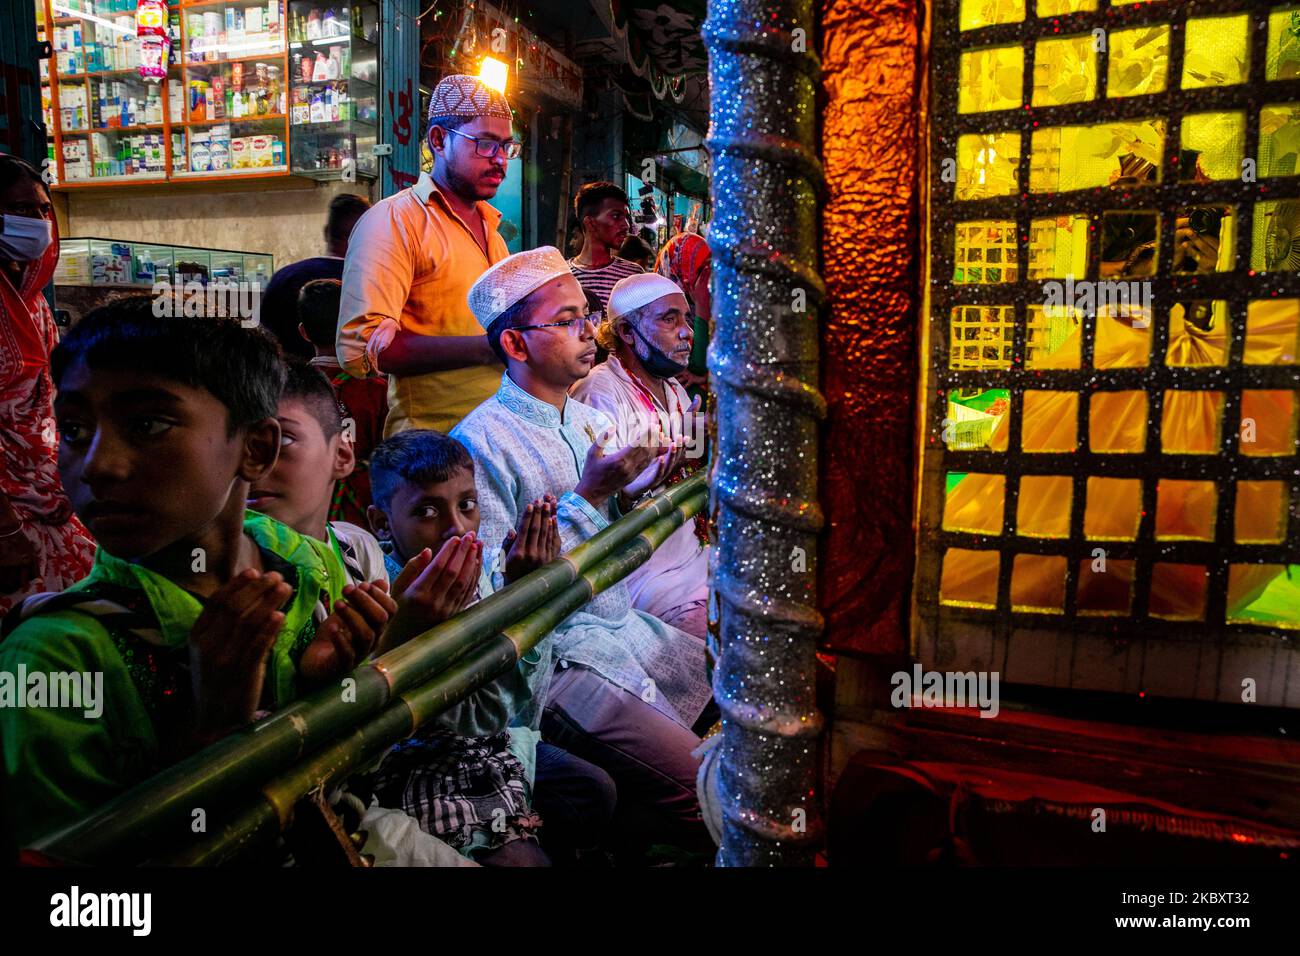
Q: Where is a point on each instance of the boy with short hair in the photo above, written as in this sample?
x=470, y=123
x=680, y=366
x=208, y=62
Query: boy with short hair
x=197, y=614
x=364, y=400
x=482, y=757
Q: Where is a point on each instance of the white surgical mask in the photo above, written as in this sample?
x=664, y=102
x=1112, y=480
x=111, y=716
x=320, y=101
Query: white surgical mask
x=23, y=239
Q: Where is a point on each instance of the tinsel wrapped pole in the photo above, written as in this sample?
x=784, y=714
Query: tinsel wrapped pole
x=763, y=362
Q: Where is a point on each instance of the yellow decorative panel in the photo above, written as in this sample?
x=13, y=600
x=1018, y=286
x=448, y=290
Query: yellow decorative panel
x=987, y=164
x=1185, y=509
x=1043, y=508
x=1114, y=508
x=1215, y=52
x=1178, y=591
x=1066, y=158
x=1052, y=336
x=1139, y=61
x=1261, y=512
x=1038, y=583
x=1065, y=71
x=1268, y=422
x=1190, y=422
x=1283, y=60
x=987, y=520
x=1199, y=333
x=985, y=251
x=980, y=337
x=990, y=79
x=1051, y=421
x=1219, y=143
x=1058, y=247
x=970, y=578
x=1272, y=332
x=1279, y=139
x=982, y=13
x=1117, y=422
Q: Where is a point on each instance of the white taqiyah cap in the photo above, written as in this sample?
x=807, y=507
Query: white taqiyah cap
x=638, y=290
x=512, y=278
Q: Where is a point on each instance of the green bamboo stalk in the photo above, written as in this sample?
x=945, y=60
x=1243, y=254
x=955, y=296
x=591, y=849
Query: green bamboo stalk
x=166, y=802
x=271, y=811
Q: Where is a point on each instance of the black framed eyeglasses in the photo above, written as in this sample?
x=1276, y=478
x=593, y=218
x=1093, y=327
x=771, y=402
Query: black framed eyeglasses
x=487, y=148
x=574, y=326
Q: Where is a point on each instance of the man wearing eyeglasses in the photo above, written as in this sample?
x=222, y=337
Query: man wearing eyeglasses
x=626, y=688
x=413, y=257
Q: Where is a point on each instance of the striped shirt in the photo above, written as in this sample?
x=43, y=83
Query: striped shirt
x=600, y=280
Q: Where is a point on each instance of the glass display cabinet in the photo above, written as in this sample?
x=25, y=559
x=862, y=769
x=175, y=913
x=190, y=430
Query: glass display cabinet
x=333, y=88
x=232, y=119
x=108, y=262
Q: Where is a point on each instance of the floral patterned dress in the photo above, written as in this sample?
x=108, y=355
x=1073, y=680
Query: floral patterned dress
x=29, y=443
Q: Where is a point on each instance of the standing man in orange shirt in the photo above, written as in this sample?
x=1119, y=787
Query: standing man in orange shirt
x=413, y=257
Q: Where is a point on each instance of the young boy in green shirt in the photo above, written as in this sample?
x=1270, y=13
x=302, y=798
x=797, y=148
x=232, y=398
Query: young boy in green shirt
x=197, y=614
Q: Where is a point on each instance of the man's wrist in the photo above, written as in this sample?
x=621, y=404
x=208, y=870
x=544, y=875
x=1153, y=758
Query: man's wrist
x=593, y=496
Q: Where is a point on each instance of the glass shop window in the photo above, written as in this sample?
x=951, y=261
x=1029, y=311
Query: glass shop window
x=1110, y=459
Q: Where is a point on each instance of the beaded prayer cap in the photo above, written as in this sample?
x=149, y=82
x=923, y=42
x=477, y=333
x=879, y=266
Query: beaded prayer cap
x=512, y=278
x=461, y=96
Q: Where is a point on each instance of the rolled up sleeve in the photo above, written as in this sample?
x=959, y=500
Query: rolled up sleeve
x=377, y=276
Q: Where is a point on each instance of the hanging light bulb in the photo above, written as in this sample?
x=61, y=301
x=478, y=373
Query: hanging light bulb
x=494, y=73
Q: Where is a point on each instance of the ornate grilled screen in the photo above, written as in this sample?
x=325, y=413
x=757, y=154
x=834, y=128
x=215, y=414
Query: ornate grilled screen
x=1110, y=480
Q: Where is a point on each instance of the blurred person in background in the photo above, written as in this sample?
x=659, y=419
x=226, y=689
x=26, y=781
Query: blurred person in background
x=43, y=546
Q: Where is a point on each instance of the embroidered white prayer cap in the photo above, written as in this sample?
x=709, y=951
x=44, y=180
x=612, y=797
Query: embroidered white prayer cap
x=635, y=291
x=512, y=278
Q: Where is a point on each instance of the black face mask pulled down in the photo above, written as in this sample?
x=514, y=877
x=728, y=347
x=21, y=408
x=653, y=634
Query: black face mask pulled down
x=658, y=363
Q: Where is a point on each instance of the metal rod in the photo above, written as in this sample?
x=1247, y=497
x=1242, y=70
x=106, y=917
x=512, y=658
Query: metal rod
x=763, y=363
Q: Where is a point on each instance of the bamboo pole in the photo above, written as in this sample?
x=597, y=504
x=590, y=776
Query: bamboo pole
x=165, y=804
x=763, y=371
x=272, y=810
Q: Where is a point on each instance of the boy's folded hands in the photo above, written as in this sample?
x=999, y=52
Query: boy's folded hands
x=536, y=543
x=229, y=644
x=432, y=588
x=347, y=636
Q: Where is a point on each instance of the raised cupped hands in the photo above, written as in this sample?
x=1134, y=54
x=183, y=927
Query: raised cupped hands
x=536, y=543
x=432, y=589
x=604, y=475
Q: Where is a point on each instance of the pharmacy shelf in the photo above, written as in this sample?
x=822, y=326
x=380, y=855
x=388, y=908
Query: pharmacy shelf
x=200, y=64
x=247, y=171
x=263, y=118
x=101, y=180
x=139, y=128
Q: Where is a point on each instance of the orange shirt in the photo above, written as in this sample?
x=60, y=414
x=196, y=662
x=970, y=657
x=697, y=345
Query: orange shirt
x=411, y=261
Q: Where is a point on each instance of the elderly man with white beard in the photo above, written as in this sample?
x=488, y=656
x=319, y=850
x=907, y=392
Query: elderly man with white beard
x=648, y=333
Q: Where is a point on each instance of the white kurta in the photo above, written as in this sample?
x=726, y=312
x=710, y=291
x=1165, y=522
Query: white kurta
x=675, y=579
x=523, y=449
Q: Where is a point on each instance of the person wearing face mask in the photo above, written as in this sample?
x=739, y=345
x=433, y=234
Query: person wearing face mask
x=649, y=335
x=43, y=547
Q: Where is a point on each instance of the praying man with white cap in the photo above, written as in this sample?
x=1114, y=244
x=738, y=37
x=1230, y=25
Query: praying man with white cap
x=412, y=258
x=648, y=333
x=627, y=687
